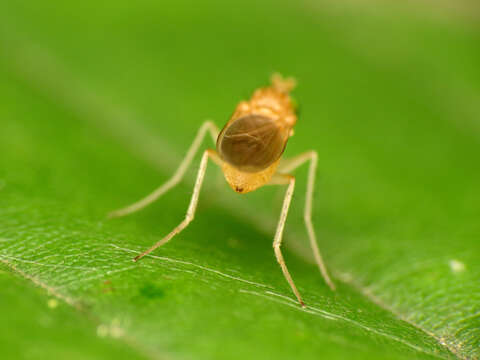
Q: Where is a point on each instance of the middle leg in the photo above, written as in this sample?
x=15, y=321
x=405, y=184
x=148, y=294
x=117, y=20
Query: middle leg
x=290, y=165
x=207, y=126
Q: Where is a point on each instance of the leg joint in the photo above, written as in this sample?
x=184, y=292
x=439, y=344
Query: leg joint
x=313, y=154
x=189, y=217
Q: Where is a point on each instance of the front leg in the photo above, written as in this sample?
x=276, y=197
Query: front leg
x=193, y=203
x=277, y=241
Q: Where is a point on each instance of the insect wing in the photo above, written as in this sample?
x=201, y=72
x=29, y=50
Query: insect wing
x=252, y=143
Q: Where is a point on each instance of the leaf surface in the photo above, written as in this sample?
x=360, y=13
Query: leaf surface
x=98, y=104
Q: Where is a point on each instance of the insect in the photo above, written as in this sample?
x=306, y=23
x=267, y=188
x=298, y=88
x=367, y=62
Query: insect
x=249, y=150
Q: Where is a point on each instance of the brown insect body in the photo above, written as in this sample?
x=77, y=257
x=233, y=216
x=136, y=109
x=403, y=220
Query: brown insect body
x=249, y=148
x=255, y=137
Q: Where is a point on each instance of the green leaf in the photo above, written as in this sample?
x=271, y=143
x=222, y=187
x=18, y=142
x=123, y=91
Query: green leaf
x=99, y=102
x=45, y=327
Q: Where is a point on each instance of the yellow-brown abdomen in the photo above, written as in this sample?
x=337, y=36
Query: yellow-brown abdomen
x=253, y=140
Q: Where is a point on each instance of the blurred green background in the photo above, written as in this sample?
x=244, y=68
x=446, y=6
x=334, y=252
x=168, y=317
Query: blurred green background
x=99, y=100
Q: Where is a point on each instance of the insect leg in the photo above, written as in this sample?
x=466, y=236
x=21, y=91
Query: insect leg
x=191, y=208
x=290, y=165
x=277, y=242
x=207, y=126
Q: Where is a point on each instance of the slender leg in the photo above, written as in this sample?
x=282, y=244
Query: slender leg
x=176, y=178
x=191, y=208
x=277, y=241
x=290, y=165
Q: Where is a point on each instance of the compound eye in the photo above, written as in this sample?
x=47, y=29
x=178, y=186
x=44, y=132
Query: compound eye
x=251, y=143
